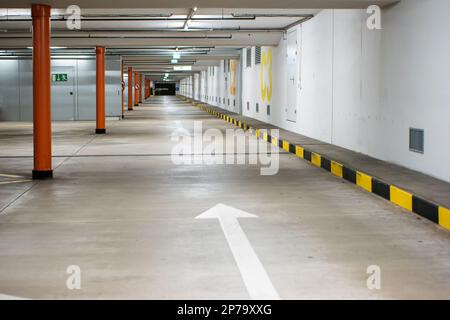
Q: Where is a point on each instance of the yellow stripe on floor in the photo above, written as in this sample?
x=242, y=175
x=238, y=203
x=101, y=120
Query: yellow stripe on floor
x=14, y=181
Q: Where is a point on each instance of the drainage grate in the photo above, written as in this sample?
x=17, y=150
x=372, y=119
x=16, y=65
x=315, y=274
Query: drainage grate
x=416, y=140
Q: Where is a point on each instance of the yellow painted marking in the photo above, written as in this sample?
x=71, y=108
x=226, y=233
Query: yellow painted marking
x=299, y=152
x=265, y=136
x=285, y=145
x=258, y=133
x=337, y=169
x=316, y=159
x=275, y=141
x=9, y=176
x=15, y=181
x=444, y=217
x=364, y=181
x=401, y=198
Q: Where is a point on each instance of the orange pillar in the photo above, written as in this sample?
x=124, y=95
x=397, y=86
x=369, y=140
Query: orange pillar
x=123, y=89
x=130, y=89
x=100, y=54
x=42, y=119
x=136, y=89
x=147, y=88
x=140, y=88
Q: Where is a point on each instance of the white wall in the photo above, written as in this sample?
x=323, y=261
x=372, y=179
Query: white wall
x=363, y=89
x=213, y=86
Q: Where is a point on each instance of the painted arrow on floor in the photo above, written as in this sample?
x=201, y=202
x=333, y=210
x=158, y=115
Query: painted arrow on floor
x=258, y=283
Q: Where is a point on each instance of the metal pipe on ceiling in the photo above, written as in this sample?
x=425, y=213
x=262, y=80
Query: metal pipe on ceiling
x=189, y=17
x=89, y=36
x=83, y=18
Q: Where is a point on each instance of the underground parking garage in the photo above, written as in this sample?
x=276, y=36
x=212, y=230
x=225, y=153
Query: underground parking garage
x=228, y=151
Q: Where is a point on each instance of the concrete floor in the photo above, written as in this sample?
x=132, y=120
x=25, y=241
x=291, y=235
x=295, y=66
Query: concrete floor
x=121, y=210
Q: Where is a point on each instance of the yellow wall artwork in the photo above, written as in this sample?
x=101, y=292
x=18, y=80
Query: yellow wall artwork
x=266, y=75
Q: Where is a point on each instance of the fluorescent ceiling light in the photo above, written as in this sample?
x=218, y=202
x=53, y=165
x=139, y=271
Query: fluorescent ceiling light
x=51, y=47
x=174, y=61
x=176, y=55
x=182, y=68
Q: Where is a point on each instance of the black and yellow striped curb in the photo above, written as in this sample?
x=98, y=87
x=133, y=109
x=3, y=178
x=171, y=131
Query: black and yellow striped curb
x=409, y=201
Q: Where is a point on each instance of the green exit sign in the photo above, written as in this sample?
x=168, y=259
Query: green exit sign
x=59, y=77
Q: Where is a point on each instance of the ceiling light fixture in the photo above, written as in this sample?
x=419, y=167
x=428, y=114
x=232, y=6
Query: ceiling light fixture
x=182, y=68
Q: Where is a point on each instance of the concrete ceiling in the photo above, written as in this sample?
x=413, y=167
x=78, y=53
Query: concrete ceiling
x=157, y=27
x=145, y=33
x=285, y=4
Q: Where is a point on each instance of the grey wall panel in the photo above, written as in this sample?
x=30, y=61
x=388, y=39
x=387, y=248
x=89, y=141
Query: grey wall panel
x=86, y=80
x=113, y=87
x=9, y=90
x=16, y=90
x=26, y=90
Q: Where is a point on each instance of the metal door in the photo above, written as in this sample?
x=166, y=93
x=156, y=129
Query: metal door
x=63, y=93
x=292, y=74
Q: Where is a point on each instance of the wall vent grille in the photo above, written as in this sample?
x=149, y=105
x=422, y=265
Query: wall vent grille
x=257, y=55
x=416, y=140
x=249, y=57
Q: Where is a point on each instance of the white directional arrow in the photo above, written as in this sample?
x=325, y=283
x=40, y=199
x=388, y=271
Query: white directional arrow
x=252, y=271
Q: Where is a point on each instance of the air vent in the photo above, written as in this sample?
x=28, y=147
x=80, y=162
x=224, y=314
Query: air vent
x=234, y=103
x=416, y=140
x=257, y=107
x=268, y=110
x=249, y=57
x=257, y=55
x=248, y=105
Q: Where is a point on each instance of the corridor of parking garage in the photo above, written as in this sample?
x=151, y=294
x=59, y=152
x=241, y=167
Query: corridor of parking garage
x=234, y=152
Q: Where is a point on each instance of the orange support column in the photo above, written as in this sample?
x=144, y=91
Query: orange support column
x=147, y=88
x=130, y=89
x=42, y=119
x=140, y=88
x=136, y=89
x=123, y=89
x=100, y=54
